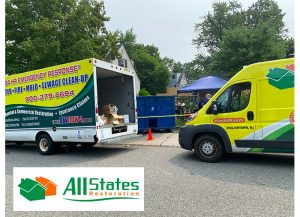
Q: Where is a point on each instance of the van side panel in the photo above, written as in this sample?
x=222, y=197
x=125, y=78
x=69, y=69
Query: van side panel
x=275, y=109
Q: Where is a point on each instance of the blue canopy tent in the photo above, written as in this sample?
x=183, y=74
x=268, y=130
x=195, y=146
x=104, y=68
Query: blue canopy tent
x=205, y=83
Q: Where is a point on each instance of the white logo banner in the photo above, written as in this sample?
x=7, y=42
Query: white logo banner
x=78, y=189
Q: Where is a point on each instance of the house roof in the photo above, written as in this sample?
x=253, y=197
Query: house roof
x=180, y=77
x=44, y=181
x=29, y=184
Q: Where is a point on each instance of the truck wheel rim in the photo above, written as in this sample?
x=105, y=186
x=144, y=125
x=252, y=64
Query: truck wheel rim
x=208, y=149
x=44, y=145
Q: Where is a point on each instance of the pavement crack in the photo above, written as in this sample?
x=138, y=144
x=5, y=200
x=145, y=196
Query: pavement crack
x=166, y=139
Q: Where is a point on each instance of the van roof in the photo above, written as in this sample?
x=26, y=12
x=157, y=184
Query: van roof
x=259, y=70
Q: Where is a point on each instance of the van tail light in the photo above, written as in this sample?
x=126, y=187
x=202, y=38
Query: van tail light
x=97, y=110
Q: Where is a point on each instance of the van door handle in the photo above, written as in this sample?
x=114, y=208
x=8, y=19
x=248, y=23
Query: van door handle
x=250, y=115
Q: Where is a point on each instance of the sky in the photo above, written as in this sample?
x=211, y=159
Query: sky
x=169, y=24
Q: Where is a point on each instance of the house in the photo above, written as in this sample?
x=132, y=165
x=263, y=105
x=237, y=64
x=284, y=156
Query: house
x=48, y=184
x=32, y=190
x=127, y=63
x=178, y=80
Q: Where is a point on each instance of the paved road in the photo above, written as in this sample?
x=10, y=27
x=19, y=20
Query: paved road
x=176, y=183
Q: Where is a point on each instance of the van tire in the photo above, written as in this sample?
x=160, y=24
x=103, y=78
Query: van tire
x=208, y=149
x=45, y=145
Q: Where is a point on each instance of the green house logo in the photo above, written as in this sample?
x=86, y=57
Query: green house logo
x=281, y=78
x=37, y=189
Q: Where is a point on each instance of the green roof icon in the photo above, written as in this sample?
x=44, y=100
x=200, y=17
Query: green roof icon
x=281, y=78
x=32, y=190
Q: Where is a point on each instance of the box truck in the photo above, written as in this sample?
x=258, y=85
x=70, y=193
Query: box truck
x=252, y=112
x=63, y=104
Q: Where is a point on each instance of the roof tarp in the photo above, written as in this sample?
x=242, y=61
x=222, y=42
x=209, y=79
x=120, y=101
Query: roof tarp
x=206, y=83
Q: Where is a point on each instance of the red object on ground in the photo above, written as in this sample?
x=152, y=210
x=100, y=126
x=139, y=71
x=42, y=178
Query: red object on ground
x=150, y=135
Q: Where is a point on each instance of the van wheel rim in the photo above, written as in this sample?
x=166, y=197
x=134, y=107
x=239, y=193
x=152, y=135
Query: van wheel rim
x=208, y=149
x=44, y=145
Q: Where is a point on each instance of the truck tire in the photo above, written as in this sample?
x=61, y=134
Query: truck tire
x=45, y=144
x=89, y=144
x=208, y=149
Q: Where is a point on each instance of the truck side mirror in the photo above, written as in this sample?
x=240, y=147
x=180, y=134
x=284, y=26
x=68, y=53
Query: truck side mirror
x=214, y=107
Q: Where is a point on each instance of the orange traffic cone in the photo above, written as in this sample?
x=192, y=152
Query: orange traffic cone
x=150, y=135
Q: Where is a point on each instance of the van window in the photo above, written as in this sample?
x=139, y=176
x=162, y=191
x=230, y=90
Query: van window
x=234, y=98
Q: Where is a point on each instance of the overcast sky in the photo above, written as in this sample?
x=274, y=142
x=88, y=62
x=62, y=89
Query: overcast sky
x=169, y=24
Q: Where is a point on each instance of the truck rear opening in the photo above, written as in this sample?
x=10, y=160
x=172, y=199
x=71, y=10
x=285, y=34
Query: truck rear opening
x=117, y=89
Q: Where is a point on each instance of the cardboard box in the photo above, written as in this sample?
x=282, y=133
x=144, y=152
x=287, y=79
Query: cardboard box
x=109, y=109
x=124, y=119
x=121, y=119
x=112, y=119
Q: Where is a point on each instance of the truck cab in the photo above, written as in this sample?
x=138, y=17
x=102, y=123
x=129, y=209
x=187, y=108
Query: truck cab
x=252, y=112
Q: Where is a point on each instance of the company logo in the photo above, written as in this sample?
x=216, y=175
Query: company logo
x=37, y=189
x=84, y=189
x=282, y=78
x=79, y=189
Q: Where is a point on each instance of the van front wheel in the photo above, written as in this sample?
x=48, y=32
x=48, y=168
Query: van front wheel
x=208, y=149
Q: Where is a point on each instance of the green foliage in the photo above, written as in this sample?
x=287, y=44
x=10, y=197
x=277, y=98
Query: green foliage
x=234, y=37
x=289, y=46
x=144, y=92
x=128, y=39
x=151, y=69
x=41, y=33
x=211, y=30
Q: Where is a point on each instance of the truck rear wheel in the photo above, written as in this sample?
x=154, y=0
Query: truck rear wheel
x=208, y=149
x=89, y=144
x=45, y=144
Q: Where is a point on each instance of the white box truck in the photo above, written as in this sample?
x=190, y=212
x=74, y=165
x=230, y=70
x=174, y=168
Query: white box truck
x=62, y=104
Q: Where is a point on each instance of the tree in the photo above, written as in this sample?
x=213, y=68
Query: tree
x=144, y=92
x=41, y=33
x=242, y=46
x=211, y=29
x=289, y=46
x=153, y=73
x=128, y=39
x=234, y=37
x=151, y=69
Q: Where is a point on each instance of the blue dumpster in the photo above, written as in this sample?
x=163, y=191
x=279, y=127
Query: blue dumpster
x=162, y=107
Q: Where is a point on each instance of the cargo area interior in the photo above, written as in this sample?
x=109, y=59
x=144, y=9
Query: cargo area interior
x=117, y=89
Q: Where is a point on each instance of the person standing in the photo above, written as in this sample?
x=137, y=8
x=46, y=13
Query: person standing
x=204, y=101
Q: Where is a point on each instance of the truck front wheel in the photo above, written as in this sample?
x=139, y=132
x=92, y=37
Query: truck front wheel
x=45, y=144
x=208, y=149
